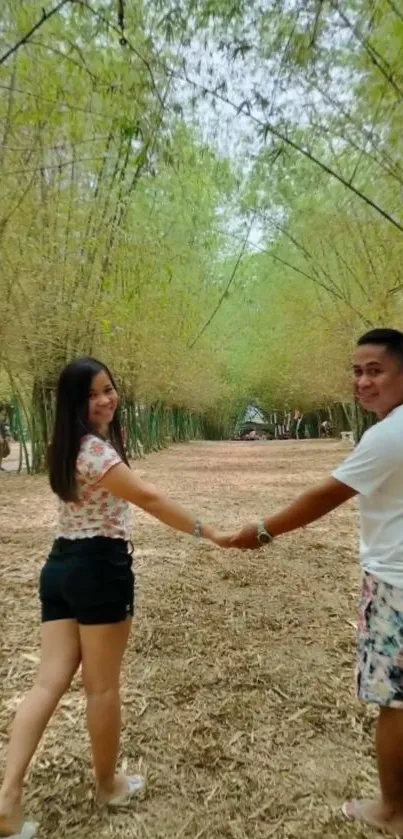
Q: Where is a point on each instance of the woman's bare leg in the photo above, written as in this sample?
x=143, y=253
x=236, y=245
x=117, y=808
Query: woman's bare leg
x=103, y=648
x=60, y=658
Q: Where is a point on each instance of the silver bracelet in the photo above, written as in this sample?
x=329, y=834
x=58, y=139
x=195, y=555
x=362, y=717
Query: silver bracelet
x=197, y=533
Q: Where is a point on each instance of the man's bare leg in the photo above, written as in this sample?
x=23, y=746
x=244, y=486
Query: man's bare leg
x=386, y=813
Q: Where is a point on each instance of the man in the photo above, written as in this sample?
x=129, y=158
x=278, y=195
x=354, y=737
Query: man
x=374, y=472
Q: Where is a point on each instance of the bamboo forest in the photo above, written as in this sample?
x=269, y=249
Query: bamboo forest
x=206, y=194
x=201, y=397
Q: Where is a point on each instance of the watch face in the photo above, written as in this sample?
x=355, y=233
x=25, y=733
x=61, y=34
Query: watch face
x=264, y=538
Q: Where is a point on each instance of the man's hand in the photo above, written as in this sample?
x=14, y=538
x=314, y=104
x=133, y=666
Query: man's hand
x=246, y=538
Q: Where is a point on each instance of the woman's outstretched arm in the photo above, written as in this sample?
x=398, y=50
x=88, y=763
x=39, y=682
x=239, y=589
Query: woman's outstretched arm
x=124, y=483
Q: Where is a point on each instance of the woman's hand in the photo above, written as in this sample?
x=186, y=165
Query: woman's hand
x=221, y=539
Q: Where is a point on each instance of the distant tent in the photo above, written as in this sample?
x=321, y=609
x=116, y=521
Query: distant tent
x=253, y=419
x=255, y=415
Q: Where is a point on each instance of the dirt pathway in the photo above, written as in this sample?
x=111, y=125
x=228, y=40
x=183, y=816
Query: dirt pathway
x=238, y=687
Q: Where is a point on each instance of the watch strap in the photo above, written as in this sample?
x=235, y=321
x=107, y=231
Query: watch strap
x=262, y=531
x=197, y=532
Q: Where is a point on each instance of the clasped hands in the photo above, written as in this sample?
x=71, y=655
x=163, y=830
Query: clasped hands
x=244, y=539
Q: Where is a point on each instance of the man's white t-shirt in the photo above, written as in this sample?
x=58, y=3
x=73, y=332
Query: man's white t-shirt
x=375, y=470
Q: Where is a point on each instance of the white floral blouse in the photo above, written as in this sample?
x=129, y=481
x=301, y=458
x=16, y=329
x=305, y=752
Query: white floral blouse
x=97, y=512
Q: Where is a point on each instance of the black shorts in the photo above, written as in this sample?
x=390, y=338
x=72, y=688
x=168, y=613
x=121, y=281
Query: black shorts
x=89, y=580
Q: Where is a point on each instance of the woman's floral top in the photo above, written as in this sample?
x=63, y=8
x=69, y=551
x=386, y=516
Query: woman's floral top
x=97, y=512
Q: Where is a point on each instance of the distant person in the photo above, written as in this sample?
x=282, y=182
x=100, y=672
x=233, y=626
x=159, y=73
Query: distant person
x=299, y=425
x=325, y=428
x=5, y=435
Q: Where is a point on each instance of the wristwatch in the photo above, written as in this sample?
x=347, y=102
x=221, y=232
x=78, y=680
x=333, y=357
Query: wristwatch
x=197, y=533
x=263, y=535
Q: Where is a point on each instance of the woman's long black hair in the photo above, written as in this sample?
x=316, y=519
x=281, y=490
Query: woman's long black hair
x=72, y=423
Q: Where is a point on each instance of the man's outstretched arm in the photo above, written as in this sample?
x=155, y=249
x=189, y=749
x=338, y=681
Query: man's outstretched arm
x=308, y=507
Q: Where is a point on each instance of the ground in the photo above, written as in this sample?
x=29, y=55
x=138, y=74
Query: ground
x=239, y=679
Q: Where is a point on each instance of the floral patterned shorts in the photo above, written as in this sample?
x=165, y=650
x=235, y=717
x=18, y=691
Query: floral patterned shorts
x=380, y=643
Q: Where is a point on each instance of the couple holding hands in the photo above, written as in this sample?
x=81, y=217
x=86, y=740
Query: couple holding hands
x=86, y=585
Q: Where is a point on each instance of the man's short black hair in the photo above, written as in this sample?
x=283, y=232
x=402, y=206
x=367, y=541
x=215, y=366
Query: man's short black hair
x=391, y=339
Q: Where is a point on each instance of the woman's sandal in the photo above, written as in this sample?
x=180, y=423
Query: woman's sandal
x=135, y=784
x=28, y=831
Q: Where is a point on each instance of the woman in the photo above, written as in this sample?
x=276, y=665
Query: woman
x=87, y=583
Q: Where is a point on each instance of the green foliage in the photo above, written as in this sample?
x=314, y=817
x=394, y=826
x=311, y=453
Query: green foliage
x=204, y=282
x=110, y=226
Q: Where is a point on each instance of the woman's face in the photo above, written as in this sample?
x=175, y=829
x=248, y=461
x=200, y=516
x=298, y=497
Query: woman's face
x=103, y=401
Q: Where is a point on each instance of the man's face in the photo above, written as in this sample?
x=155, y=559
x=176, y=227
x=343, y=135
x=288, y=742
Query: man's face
x=378, y=379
